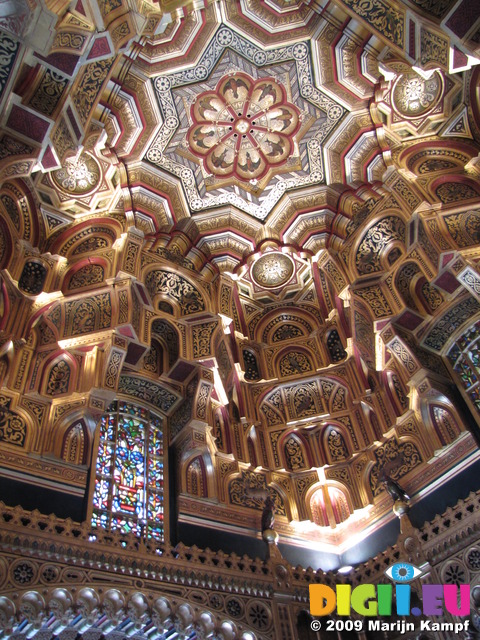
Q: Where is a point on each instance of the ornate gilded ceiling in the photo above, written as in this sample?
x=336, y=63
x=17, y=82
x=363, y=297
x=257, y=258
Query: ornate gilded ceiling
x=258, y=219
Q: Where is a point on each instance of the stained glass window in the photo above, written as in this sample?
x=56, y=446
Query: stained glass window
x=464, y=356
x=128, y=493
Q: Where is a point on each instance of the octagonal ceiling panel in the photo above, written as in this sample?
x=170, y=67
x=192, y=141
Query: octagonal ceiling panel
x=243, y=126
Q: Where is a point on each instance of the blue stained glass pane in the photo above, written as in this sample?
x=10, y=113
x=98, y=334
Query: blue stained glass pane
x=453, y=354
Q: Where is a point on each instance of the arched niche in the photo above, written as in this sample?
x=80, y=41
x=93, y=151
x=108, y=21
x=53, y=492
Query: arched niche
x=87, y=238
x=196, y=471
x=446, y=424
x=397, y=391
x=335, y=443
x=248, y=489
x=33, y=276
x=329, y=504
x=196, y=478
x=170, y=286
x=363, y=336
x=397, y=457
x=254, y=455
x=381, y=245
x=441, y=419
x=154, y=359
x=19, y=210
x=306, y=399
x=221, y=430
x=294, y=452
x=59, y=376
x=250, y=363
x=415, y=290
x=85, y=275
x=17, y=430
x=75, y=443
x=455, y=189
x=275, y=327
x=72, y=436
x=293, y=362
x=165, y=340
x=334, y=345
x=427, y=159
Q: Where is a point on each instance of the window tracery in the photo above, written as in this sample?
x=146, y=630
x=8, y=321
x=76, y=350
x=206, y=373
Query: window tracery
x=128, y=493
x=464, y=356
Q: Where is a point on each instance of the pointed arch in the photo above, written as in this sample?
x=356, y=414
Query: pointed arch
x=59, y=376
x=129, y=472
x=75, y=443
x=294, y=452
x=334, y=443
x=196, y=478
x=444, y=423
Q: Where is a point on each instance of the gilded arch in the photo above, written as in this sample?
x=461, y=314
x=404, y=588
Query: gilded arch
x=381, y=245
x=165, y=284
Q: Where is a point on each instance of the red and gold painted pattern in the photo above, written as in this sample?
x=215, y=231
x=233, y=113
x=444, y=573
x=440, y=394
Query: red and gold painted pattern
x=243, y=128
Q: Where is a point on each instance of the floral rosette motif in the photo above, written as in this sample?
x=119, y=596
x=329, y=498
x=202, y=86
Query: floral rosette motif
x=78, y=175
x=243, y=128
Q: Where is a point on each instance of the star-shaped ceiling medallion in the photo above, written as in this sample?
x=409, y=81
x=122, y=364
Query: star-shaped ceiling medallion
x=243, y=126
x=244, y=129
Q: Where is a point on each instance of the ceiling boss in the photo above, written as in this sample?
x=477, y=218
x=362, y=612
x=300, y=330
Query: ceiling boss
x=243, y=128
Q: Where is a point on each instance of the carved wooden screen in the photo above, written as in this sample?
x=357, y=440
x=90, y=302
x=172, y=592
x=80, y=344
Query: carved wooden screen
x=128, y=493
